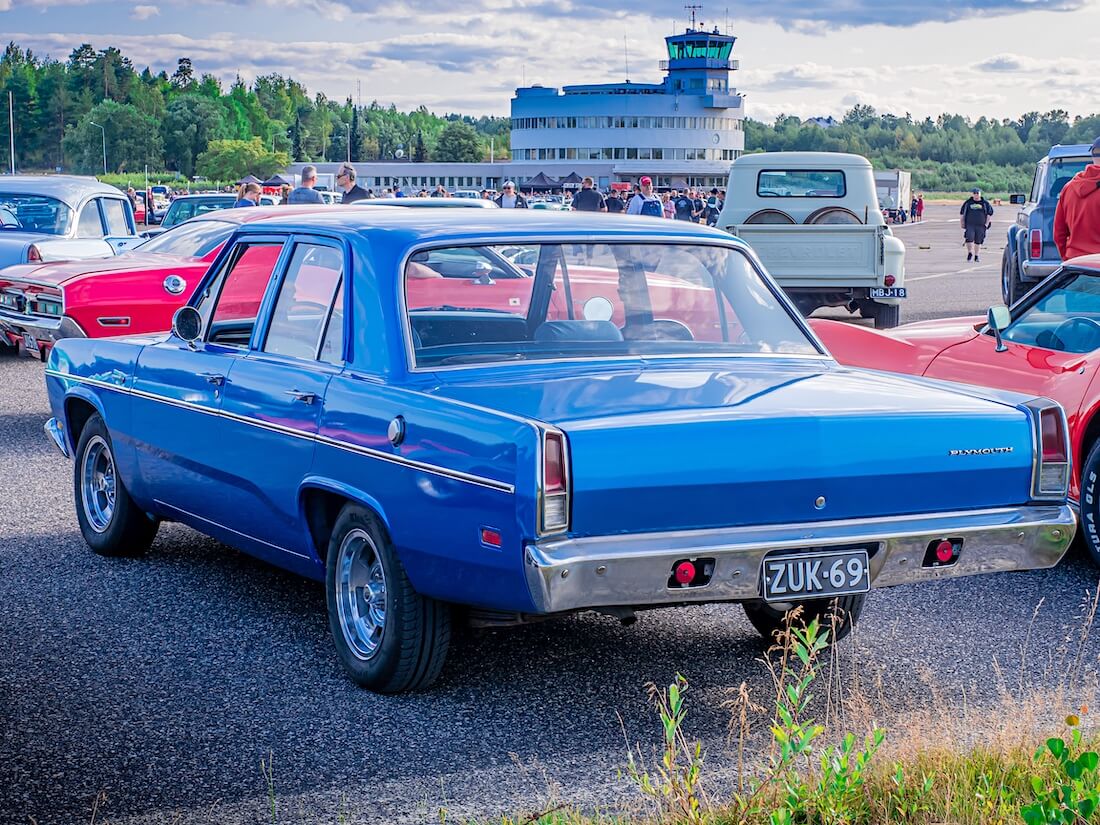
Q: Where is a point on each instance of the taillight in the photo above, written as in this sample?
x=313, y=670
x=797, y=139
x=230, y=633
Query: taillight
x=1052, y=478
x=554, y=483
x=34, y=255
x=1036, y=244
x=889, y=280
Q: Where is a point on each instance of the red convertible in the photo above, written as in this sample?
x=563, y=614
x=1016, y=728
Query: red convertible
x=1049, y=345
x=135, y=292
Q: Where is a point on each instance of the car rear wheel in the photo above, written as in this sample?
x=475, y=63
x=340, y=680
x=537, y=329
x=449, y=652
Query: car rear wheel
x=837, y=615
x=1090, y=504
x=885, y=316
x=1012, y=287
x=111, y=523
x=388, y=637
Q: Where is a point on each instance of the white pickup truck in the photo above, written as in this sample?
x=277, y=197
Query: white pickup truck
x=814, y=220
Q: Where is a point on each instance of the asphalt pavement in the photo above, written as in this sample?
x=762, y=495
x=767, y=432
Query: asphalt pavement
x=169, y=689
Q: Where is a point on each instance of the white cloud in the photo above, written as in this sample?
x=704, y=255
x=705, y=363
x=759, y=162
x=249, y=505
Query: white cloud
x=144, y=12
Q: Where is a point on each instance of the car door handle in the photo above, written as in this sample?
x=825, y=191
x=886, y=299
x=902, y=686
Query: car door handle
x=215, y=378
x=304, y=397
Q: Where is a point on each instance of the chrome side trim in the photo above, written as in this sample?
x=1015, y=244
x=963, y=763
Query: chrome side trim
x=57, y=435
x=633, y=570
x=189, y=514
x=457, y=475
x=445, y=472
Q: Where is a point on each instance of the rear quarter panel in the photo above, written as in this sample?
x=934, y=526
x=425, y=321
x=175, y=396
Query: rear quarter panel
x=137, y=295
x=459, y=469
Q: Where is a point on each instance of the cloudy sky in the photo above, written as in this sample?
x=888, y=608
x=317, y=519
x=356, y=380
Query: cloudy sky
x=978, y=57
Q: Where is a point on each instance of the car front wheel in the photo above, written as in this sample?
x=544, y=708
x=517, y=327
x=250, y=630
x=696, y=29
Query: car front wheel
x=1090, y=503
x=388, y=637
x=111, y=523
x=837, y=615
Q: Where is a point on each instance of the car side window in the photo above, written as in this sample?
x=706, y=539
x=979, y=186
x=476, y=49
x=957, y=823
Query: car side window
x=305, y=301
x=332, y=348
x=115, y=212
x=90, y=224
x=241, y=292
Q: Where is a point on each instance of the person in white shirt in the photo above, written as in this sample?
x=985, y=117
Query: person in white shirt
x=646, y=202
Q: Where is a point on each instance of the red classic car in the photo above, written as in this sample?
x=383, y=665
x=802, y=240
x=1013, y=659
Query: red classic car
x=1050, y=347
x=136, y=292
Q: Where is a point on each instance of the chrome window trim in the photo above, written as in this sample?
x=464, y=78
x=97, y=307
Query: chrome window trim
x=690, y=240
x=445, y=472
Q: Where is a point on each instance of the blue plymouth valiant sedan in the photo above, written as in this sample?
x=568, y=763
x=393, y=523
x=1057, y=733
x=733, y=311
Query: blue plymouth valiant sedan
x=500, y=416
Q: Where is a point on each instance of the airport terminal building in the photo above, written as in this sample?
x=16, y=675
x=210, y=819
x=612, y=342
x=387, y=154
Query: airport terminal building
x=683, y=131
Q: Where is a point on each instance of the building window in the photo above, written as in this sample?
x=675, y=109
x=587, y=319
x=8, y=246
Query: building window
x=645, y=154
x=631, y=153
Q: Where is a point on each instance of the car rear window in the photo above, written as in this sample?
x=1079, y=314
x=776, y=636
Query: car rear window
x=192, y=240
x=801, y=183
x=1061, y=171
x=577, y=300
x=34, y=213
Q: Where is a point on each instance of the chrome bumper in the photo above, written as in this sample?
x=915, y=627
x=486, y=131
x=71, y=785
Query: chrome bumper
x=43, y=329
x=633, y=570
x=1034, y=271
x=56, y=433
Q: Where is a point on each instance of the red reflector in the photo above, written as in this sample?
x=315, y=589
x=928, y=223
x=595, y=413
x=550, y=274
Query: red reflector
x=553, y=476
x=33, y=254
x=944, y=551
x=490, y=537
x=889, y=280
x=685, y=572
x=1053, y=436
x=1036, y=243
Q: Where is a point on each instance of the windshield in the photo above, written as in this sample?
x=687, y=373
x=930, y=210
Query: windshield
x=532, y=302
x=184, y=209
x=34, y=213
x=1066, y=318
x=192, y=240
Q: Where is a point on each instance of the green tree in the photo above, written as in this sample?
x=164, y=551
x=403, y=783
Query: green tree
x=233, y=159
x=132, y=140
x=190, y=123
x=458, y=143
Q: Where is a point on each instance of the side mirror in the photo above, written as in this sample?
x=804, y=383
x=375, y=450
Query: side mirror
x=998, y=319
x=187, y=324
x=1017, y=199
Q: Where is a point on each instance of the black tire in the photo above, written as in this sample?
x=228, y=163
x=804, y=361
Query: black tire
x=115, y=527
x=406, y=649
x=806, y=304
x=1012, y=287
x=770, y=621
x=887, y=316
x=1090, y=504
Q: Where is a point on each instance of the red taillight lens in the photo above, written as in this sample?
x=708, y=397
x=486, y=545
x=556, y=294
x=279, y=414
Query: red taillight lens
x=554, y=465
x=555, y=484
x=1053, y=436
x=1036, y=244
x=34, y=255
x=889, y=280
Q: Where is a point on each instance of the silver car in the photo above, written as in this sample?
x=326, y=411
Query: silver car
x=62, y=217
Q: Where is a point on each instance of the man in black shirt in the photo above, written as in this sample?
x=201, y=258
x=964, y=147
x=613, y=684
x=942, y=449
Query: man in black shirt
x=975, y=216
x=684, y=205
x=345, y=179
x=588, y=199
x=614, y=203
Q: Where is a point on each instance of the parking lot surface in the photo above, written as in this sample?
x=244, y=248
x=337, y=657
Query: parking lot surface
x=193, y=684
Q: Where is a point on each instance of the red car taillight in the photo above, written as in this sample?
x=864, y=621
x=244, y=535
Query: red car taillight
x=34, y=255
x=889, y=280
x=1052, y=475
x=554, y=483
x=1036, y=244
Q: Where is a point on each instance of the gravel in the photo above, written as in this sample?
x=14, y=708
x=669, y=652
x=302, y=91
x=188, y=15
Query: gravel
x=164, y=687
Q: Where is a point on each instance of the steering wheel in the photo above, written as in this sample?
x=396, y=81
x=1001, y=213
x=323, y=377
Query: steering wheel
x=1076, y=328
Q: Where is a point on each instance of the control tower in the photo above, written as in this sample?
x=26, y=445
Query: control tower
x=699, y=64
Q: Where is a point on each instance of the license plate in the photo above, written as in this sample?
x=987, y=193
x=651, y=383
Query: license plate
x=815, y=575
x=888, y=292
x=29, y=342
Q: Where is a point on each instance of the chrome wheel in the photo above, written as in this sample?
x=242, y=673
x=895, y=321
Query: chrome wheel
x=360, y=593
x=97, y=488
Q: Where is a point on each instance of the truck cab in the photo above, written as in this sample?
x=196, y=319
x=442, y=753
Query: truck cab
x=814, y=220
x=1030, y=254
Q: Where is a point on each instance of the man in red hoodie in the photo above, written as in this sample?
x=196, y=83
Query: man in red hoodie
x=1077, y=218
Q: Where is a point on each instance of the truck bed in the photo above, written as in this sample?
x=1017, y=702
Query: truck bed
x=833, y=255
